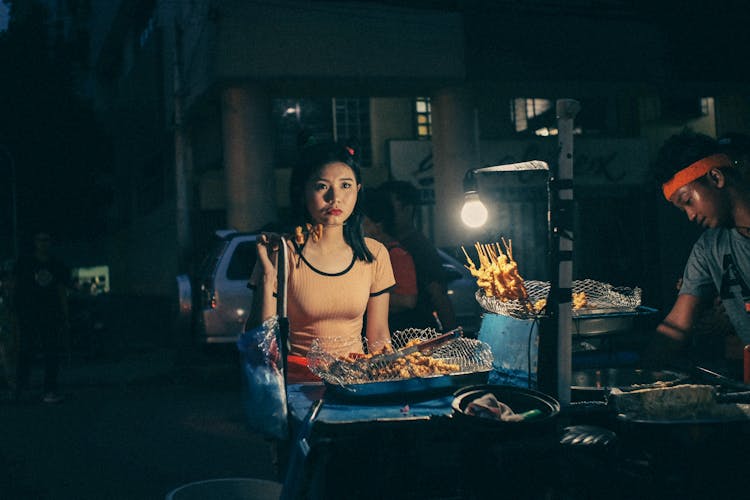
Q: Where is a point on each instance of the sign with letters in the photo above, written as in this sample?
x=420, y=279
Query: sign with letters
x=596, y=162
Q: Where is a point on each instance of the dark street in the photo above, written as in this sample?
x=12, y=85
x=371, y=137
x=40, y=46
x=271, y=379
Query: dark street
x=130, y=428
x=440, y=250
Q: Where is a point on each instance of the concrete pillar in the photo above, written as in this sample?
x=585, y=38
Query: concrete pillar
x=248, y=158
x=454, y=150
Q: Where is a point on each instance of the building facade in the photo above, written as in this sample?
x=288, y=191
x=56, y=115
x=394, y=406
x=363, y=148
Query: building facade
x=203, y=99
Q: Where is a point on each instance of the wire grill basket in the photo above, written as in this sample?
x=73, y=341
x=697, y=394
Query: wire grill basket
x=467, y=356
x=601, y=298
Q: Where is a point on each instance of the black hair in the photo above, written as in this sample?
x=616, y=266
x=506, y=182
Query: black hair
x=404, y=191
x=376, y=205
x=313, y=156
x=680, y=151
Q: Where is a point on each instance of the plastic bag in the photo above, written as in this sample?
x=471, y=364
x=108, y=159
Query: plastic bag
x=264, y=394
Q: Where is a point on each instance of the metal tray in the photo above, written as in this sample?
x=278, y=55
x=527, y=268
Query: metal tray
x=600, y=321
x=395, y=389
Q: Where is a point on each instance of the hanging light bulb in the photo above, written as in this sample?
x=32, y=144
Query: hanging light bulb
x=473, y=213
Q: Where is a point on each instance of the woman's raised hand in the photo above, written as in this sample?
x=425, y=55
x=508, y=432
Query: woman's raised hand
x=268, y=245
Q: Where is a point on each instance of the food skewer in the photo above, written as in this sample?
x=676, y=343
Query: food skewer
x=314, y=232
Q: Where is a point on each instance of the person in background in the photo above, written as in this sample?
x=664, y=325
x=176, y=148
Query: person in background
x=432, y=298
x=379, y=223
x=334, y=276
x=703, y=182
x=40, y=303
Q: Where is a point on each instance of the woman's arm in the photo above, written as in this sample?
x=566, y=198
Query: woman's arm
x=377, y=330
x=264, y=275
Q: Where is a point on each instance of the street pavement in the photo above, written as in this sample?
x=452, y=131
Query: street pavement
x=134, y=425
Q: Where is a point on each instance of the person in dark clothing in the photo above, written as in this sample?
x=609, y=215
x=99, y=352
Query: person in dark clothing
x=432, y=297
x=706, y=184
x=379, y=223
x=40, y=283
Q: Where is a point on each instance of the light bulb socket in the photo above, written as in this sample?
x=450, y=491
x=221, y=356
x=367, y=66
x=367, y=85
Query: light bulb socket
x=470, y=182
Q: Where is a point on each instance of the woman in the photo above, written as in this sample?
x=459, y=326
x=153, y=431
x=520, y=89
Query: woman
x=334, y=278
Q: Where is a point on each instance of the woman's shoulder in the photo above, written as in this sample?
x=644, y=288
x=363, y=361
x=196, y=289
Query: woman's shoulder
x=375, y=246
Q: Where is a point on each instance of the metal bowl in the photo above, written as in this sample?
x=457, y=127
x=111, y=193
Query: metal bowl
x=519, y=399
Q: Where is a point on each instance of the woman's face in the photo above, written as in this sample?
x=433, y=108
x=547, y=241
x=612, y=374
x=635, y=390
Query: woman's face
x=331, y=195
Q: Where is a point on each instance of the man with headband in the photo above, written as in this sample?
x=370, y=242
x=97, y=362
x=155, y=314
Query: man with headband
x=700, y=180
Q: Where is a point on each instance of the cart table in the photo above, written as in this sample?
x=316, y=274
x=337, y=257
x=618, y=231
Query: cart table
x=410, y=448
x=339, y=411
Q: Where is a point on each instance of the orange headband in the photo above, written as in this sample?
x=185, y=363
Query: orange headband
x=694, y=171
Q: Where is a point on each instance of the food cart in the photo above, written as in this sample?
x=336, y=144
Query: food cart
x=428, y=446
x=363, y=432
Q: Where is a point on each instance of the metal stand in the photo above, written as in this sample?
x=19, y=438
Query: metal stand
x=555, y=334
x=283, y=339
x=555, y=329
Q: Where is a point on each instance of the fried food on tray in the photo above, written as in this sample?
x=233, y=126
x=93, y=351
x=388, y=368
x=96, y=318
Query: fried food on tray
x=539, y=305
x=410, y=365
x=497, y=273
x=579, y=300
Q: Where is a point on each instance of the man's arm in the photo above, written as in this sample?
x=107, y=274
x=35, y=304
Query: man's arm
x=673, y=333
x=678, y=323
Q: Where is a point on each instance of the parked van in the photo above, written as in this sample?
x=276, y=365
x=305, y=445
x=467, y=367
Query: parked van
x=216, y=303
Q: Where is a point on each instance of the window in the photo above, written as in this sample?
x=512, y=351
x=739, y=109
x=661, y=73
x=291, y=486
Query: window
x=423, y=113
x=533, y=115
x=351, y=120
x=293, y=114
x=340, y=119
x=537, y=116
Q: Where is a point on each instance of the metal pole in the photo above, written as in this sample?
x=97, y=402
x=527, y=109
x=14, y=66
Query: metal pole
x=183, y=178
x=567, y=109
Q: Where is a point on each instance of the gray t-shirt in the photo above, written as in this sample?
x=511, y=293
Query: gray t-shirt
x=720, y=262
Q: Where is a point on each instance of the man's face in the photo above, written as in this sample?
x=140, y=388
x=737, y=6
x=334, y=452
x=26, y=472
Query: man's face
x=403, y=214
x=704, y=203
